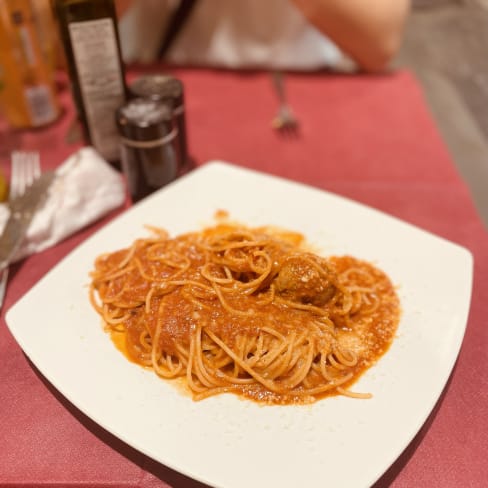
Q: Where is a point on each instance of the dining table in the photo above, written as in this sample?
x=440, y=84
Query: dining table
x=370, y=138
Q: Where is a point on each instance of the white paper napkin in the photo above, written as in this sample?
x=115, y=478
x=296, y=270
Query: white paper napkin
x=85, y=189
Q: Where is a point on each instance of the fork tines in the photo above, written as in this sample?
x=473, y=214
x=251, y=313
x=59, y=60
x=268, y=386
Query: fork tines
x=26, y=168
x=285, y=120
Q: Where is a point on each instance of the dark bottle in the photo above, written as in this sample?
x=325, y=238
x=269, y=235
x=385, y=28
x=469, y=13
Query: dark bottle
x=88, y=29
x=148, y=143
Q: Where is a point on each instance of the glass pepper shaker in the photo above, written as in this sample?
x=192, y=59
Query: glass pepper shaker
x=170, y=90
x=149, y=153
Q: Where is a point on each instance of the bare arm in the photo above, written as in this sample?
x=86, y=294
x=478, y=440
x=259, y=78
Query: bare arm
x=370, y=31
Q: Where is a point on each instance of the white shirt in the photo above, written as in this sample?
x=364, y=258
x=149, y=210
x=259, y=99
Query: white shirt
x=230, y=33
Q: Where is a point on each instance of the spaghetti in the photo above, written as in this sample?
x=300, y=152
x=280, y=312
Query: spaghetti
x=246, y=310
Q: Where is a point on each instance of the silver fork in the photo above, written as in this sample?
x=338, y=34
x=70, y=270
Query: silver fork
x=285, y=120
x=25, y=169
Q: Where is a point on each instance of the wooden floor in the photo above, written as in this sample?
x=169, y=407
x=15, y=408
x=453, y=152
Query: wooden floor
x=446, y=45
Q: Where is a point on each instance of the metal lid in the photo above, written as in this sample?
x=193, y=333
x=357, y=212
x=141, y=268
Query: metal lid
x=143, y=119
x=158, y=87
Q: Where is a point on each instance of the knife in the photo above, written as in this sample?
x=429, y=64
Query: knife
x=22, y=210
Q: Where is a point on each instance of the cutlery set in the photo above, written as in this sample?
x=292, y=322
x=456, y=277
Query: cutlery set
x=28, y=188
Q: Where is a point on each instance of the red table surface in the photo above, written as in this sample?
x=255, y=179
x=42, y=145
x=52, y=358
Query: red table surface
x=368, y=138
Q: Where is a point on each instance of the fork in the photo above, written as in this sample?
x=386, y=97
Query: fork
x=25, y=169
x=285, y=119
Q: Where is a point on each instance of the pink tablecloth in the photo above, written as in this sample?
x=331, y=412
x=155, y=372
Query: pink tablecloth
x=368, y=138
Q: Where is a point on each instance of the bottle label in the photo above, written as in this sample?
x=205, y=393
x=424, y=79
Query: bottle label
x=40, y=105
x=100, y=76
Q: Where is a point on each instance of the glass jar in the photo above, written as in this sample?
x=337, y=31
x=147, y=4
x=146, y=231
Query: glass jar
x=149, y=153
x=169, y=90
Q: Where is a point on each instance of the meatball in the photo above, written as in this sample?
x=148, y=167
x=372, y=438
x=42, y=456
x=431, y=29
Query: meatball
x=305, y=278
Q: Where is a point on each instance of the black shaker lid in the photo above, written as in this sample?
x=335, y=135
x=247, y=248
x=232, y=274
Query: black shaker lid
x=143, y=119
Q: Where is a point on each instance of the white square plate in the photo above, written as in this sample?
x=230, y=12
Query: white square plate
x=233, y=443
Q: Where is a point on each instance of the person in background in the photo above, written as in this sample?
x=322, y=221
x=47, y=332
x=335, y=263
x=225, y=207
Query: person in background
x=272, y=34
